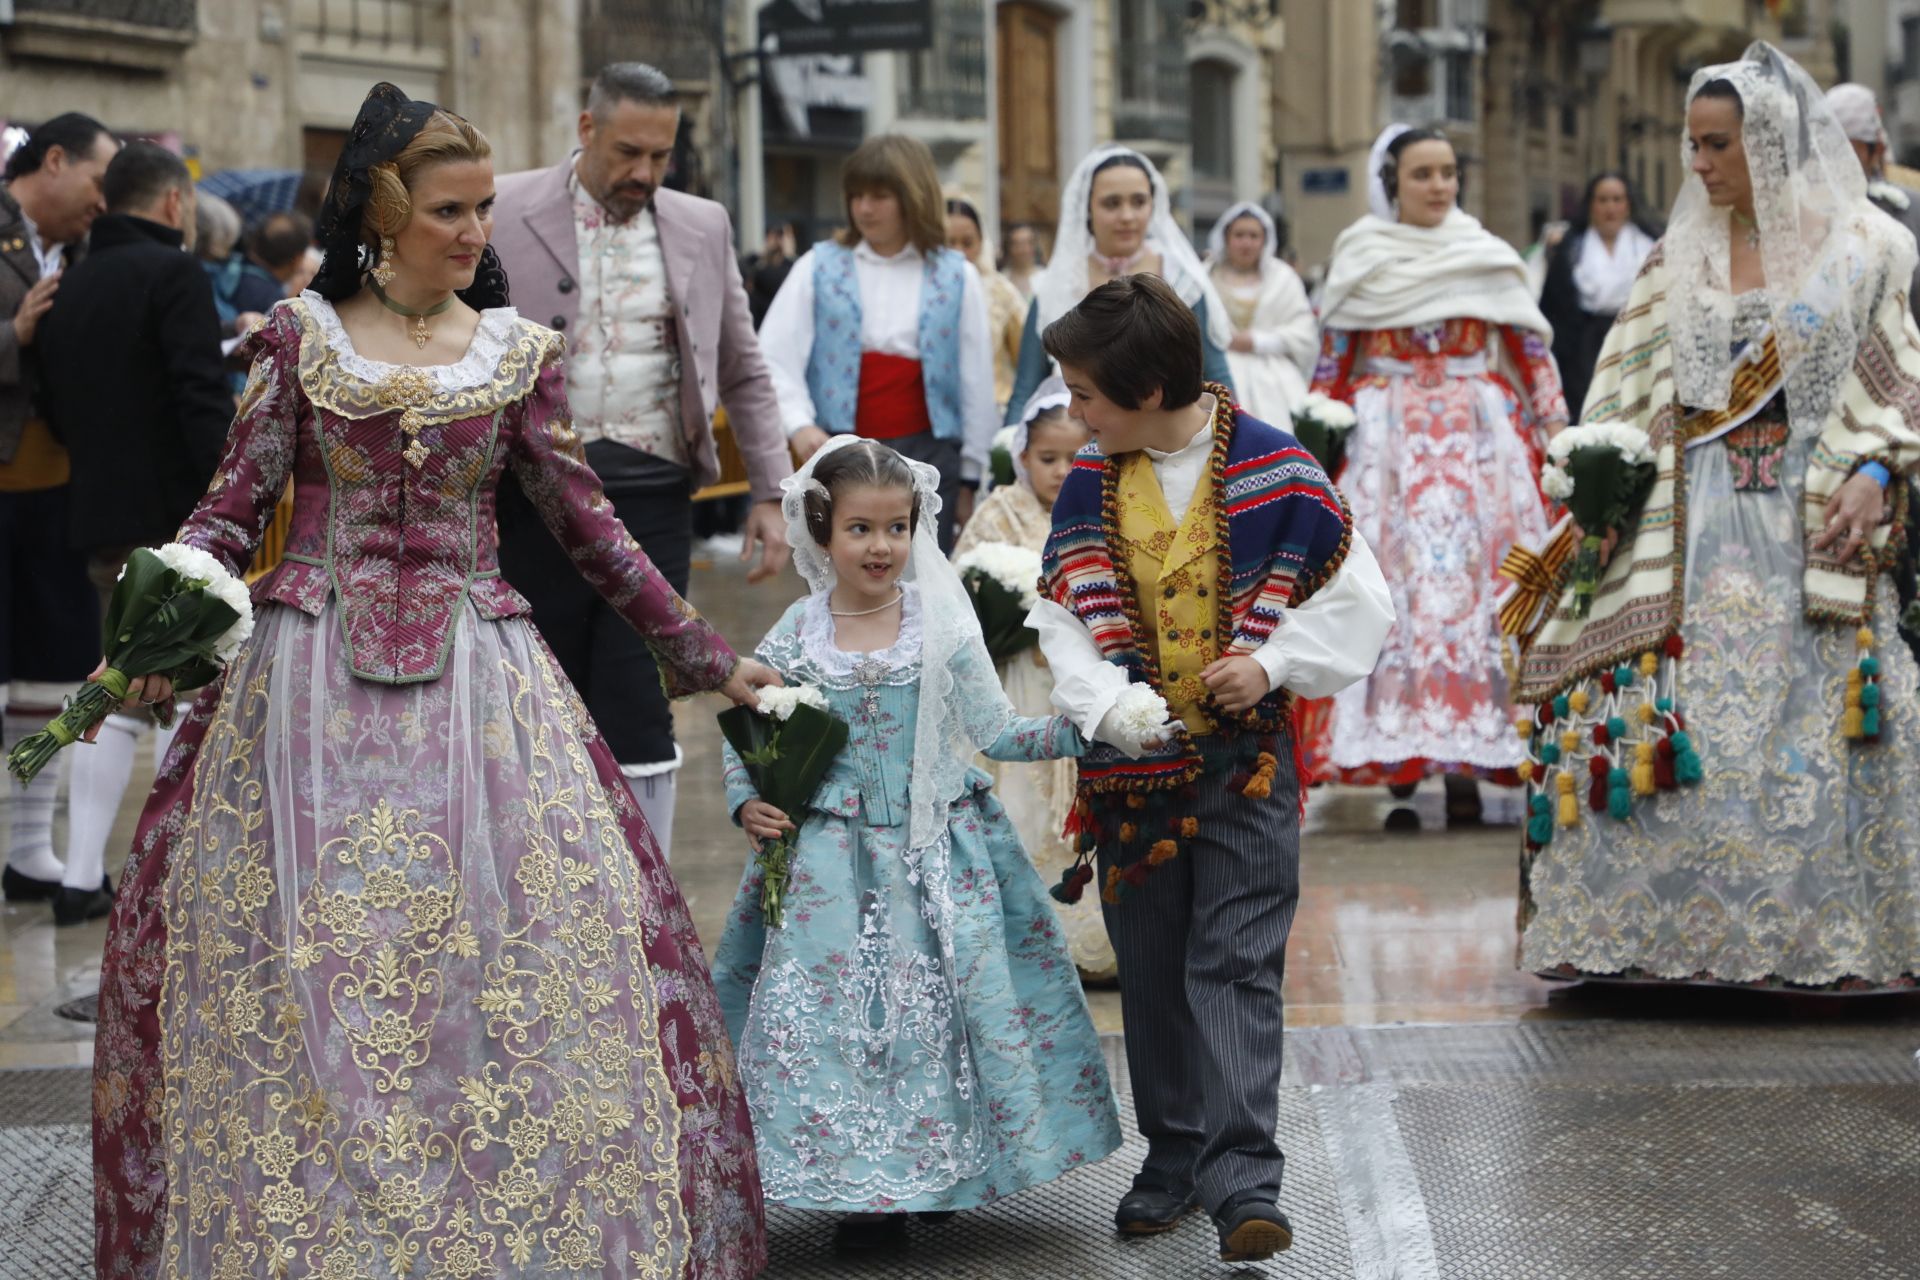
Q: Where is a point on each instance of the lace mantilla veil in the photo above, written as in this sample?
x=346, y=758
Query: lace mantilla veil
x=962, y=707
x=1060, y=286
x=1810, y=205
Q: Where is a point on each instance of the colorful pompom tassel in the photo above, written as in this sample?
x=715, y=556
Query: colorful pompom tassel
x=1569, y=804
x=1597, y=784
x=1663, y=765
x=1540, y=824
x=1578, y=701
x=1686, y=761
x=1162, y=851
x=1619, y=795
x=1642, y=780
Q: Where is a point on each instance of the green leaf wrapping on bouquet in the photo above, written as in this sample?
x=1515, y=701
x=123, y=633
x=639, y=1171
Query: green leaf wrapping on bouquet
x=156, y=623
x=1003, y=618
x=1000, y=465
x=786, y=761
x=1607, y=493
x=1329, y=448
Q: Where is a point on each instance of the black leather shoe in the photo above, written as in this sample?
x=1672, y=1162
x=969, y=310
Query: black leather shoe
x=1150, y=1209
x=77, y=906
x=1252, y=1229
x=24, y=888
x=871, y=1233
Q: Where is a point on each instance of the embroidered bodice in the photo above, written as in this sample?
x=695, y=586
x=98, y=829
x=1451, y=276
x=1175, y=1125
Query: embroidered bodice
x=394, y=469
x=1352, y=359
x=878, y=695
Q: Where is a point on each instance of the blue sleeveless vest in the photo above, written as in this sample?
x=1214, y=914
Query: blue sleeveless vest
x=833, y=369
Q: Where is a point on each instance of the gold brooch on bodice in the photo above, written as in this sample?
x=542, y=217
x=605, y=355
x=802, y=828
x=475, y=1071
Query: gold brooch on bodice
x=404, y=389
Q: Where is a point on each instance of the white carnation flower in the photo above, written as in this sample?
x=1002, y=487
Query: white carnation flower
x=198, y=567
x=780, y=701
x=1556, y=484
x=1015, y=568
x=1004, y=438
x=1333, y=415
x=1631, y=442
x=1139, y=712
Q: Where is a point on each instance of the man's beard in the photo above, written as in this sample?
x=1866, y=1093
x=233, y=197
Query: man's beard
x=628, y=199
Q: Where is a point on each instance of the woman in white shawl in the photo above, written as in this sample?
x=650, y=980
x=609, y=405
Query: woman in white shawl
x=1431, y=333
x=1275, y=339
x=1115, y=220
x=1589, y=275
x=1766, y=352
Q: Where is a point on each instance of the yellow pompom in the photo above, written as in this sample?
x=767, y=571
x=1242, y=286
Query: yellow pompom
x=1135, y=800
x=1646, y=713
x=1853, y=723
x=1258, y=787
x=1565, y=782
x=1569, y=742
x=1525, y=771
x=1569, y=810
x=1189, y=827
x=1524, y=728
x=1642, y=778
x=1111, y=893
x=1649, y=664
x=1578, y=701
x=1161, y=851
x=1864, y=637
x=1128, y=833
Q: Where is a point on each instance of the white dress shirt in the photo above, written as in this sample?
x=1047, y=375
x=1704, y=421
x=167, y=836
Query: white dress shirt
x=50, y=257
x=889, y=325
x=1316, y=650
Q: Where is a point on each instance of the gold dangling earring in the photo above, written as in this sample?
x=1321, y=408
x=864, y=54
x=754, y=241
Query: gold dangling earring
x=382, y=272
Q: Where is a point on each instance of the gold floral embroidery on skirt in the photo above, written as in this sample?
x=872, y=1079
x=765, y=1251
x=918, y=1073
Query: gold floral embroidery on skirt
x=395, y=1073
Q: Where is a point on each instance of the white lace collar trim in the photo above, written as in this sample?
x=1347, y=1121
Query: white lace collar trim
x=491, y=341
x=816, y=634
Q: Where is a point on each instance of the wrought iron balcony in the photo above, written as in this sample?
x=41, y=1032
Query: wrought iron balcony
x=1150, y=70
x=949, y=81
x=677, y=36
x=140, y=35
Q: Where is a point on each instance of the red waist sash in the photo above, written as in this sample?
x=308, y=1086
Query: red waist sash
x=893, y=398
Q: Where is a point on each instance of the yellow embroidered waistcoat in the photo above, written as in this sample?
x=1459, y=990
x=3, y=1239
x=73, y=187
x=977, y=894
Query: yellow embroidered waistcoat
x=1176, y=575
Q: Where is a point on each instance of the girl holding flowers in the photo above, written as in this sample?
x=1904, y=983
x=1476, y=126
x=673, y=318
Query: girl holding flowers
x=1020, y=515
x=911, y=1037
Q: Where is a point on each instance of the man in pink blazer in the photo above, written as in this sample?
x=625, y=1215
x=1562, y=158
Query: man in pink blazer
x=643, y=283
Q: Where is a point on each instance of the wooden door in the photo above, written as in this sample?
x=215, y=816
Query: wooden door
x=1029, y=111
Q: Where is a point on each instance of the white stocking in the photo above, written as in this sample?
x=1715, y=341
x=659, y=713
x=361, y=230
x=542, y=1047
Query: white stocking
x=30, y=806
x=99, y=782
x=654, y=794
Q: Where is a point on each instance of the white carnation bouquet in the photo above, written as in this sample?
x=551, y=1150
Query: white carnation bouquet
x=177, y=612
x=780, y=701
x=1321, y=424
x=1003, y=581
x=1139, y=713
x=1602, y=472
x=786, y=744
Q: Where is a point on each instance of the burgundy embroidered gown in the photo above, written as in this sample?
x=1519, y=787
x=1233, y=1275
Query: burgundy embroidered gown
x=397, y=983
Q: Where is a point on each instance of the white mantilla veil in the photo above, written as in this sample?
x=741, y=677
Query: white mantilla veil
x=962, y=706
x=1059, y=288
x=1810, y=207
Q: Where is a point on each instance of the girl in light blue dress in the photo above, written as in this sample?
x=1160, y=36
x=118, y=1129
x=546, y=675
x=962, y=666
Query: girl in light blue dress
x=913, y=1039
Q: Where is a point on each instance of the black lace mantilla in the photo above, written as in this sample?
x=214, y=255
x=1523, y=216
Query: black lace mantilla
x=387, y=122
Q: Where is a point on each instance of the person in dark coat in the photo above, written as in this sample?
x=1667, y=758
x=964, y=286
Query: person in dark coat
x=133, y=384
x=1589, y=274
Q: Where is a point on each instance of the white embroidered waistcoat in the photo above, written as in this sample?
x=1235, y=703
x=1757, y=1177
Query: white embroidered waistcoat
x=623, y=365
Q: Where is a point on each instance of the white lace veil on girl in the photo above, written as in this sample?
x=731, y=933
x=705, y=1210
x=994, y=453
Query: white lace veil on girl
x=1809, y=196
x=1060, y=287
x=962, y=706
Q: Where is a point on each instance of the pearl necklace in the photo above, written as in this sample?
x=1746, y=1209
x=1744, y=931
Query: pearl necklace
x=861, y=613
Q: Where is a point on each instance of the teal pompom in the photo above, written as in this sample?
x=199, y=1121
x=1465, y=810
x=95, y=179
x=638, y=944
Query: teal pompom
x=1663, y=705
x=1870, y=721
x=1623, y=677
x=1619, y=795
x=1540, y=828
x=1561, y=706
x=1542, y=805
x=1549, y=754
x=1870, y=695
x=1686, y=761
x=1870, y=667
x=1616, y=730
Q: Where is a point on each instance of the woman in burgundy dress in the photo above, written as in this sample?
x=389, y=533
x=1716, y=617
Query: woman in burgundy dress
x=398, y=983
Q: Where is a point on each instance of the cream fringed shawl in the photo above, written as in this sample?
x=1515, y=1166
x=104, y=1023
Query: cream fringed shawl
x=1640, y=601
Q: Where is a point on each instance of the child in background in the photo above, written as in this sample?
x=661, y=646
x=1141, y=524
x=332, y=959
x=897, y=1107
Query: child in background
x=911, y=1040
x=1038, y=799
